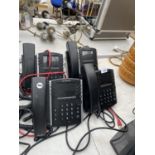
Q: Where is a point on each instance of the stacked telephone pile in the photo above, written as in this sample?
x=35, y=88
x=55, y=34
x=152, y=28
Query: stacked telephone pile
x=57, y=99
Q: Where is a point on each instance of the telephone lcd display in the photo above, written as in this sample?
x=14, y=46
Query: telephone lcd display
x=87, y=53
x=66, y=90
x=55, y=61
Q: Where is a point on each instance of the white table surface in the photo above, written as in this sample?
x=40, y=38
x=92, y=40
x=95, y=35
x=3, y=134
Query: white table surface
x=99, y=144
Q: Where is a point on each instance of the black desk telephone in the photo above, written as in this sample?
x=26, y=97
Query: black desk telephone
x=99, y=90
x=47, y=62
x=55, y=103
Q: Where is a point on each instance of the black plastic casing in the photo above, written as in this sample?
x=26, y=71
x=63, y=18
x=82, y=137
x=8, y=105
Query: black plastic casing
x=28, y=62
x=39, y=106
x=64, y=102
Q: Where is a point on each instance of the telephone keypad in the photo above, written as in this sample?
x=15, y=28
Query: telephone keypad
x=65, y=102
x=107, y=97
x=67, y=113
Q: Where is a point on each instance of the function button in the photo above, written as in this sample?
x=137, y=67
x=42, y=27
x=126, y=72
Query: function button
x=111, y=100
x=101, y=103
x=67, y=118
x=77, y=116
x=78, y=112
x=106, y=90
x=77, y=108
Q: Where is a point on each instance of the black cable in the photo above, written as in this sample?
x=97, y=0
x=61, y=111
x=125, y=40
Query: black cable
x=125, y=125
x=27, y=144
x=27, y=118
x=108, y=123
x=25, y=126
x=124, y=129
x=27, y=149
x=67, y=141
x=28, y=131
x=110, y=115
x=51, y=131
x=28, y=106
x=99, y=128
x=133, y=111
x=22, y=96
x=41, y=140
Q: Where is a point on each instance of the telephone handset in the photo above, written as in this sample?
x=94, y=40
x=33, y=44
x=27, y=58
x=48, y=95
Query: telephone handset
x=39, y=106
x=72, y=60
x=64, y=102
x=50, y=62
x=90, y=89
x=28, y=62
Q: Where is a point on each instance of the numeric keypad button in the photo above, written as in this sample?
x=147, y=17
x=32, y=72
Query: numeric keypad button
x=77, y=116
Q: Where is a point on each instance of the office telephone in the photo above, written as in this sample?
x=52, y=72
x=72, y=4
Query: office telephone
x=99, y=90
x=55, y=103
x=47, y=62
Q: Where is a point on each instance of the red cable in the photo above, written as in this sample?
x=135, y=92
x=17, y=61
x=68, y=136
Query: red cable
x=22, y=133
x=49, y=58
x=119, y=123
x=35, y=74
x=49, y=61
x=47, y=73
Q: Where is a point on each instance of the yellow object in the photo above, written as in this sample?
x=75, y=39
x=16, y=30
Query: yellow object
x=127, y=68
x=129, y=64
